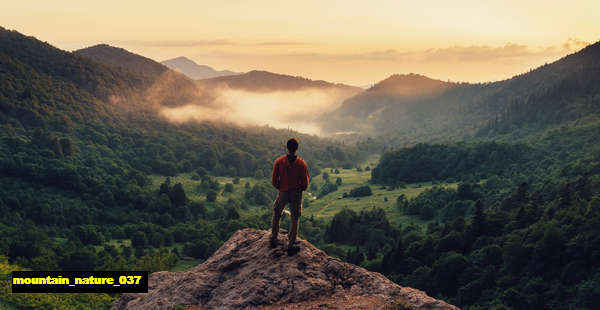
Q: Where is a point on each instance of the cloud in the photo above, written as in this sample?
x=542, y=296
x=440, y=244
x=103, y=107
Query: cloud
x=457, y=53
x=378, y=55
x=280, y=43
x=178, y=43
x=574, y=44
x=479, y=53
x=204, y=43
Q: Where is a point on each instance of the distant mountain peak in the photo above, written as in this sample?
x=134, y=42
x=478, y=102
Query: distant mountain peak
x=245, y=273
x=265, y=81
x=410, y=85
x=193, y=70
x=182, y=58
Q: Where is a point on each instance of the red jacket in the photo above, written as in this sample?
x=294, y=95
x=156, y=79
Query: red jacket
x=288, y=176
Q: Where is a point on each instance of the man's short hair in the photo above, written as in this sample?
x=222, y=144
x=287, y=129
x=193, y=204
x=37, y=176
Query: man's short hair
x=292, y=144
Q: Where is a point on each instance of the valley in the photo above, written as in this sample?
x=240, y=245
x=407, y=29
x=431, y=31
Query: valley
x=484, y=195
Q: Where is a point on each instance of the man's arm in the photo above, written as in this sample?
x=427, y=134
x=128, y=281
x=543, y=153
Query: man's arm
x=304, y=177
x=275, y=176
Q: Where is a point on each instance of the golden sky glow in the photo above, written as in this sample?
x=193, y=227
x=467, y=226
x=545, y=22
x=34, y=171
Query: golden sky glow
x=356, y=42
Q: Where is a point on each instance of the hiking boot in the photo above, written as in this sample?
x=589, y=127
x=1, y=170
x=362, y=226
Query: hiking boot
x=293, y=249
x=273, y=242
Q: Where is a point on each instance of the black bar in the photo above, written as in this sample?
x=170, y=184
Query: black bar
x=80, y=281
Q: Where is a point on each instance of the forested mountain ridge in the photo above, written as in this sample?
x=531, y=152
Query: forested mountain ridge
x=193, y=70
x=549, y=95
x=360, y=111
x=290, y=99
x=171, y=88
x=20, y=51
x=164, y=86
x=409, y=85
x=119, y=57
x=264, y=81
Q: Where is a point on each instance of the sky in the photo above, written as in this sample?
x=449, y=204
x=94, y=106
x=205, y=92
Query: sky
x=353, y=42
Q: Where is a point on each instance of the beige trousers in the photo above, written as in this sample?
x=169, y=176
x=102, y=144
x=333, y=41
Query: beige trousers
x=294, y=198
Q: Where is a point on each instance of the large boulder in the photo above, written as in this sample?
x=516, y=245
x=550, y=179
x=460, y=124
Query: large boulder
x=246, y=273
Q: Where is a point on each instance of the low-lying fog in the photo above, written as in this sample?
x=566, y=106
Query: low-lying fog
x=297, y=110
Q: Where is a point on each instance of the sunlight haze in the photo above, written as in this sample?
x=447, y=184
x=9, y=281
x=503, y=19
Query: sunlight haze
x=355, y=42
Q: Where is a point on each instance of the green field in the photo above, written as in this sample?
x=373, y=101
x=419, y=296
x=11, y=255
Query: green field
x=320, y=208
x=330, y=204
x=324, y=207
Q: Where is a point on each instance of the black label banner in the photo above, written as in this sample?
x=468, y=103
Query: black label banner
x=80, y=282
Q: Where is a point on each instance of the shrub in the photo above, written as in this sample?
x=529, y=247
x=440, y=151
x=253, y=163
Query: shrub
x=361, y=191
x=211, y=196
x=327, y=188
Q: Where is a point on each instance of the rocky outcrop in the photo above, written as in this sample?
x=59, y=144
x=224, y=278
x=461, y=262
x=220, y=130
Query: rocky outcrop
x=246, y=273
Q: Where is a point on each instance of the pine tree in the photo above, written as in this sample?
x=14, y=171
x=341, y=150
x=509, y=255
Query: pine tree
x=56, y=147
x=393, y=259
x=177, y=195
x=67, y=146
x=478, y=224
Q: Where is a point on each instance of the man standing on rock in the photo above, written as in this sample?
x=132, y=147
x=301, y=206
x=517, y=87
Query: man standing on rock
x=290, y=177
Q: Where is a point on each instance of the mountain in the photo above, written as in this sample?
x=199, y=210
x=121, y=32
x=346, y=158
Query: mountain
x=193, y=70
x=359, y=112
x=119, y=57
x=165, y=88
x=409, y=86
x=264, y=81
x=298, y=101
x=245, y=273
x=413, y=108
x=43, y=62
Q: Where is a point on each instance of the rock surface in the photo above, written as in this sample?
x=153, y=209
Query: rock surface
x=246, y=273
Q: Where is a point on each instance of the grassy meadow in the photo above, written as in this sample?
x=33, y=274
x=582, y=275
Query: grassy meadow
x=324, y=207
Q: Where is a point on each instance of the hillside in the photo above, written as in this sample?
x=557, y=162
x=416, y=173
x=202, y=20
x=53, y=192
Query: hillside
x=246, y=273
x=264, y=81
x=193, y=70
x=409, y=86
x=530, y=204
x=164, y=86
x=20, y=54
x=119, y=57
x=547, y=96
x=365, y=110
x=285, y=100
